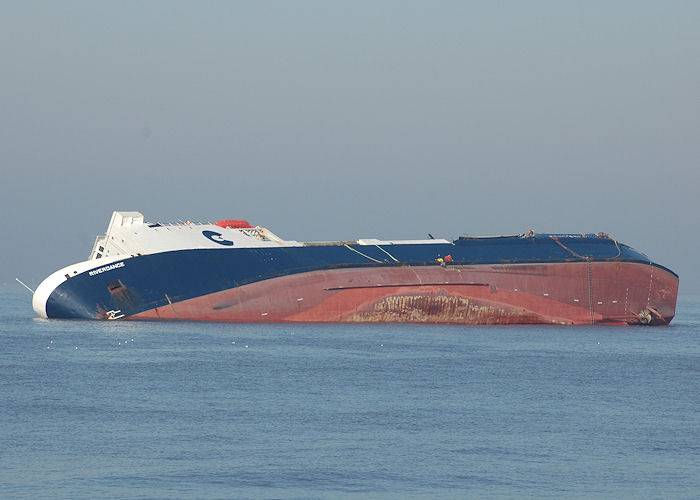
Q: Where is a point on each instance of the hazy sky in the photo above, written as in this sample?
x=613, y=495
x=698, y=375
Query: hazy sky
x=339, y=120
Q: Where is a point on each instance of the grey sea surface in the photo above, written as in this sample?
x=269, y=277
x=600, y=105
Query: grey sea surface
x=154, y=410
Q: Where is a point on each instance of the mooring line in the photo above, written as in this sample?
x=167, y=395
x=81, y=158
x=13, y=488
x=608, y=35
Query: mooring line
x=24, y=285
x=366, y=256
x=380, y=248
x=556, y=240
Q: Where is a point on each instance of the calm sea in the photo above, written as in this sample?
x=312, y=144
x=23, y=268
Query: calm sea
x=204, y=410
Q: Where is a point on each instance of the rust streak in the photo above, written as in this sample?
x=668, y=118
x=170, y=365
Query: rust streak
x=442, y=309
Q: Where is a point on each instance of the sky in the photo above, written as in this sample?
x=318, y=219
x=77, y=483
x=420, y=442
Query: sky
x=341, y=120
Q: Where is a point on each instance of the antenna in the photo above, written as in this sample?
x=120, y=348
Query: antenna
x=25, y=286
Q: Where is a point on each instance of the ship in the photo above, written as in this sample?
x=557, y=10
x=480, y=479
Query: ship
x=233, y=271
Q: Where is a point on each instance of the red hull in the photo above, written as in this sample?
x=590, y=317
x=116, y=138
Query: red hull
x=567, y=293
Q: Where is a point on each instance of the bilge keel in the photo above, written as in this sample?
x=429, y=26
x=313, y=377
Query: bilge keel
x=233, y=271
